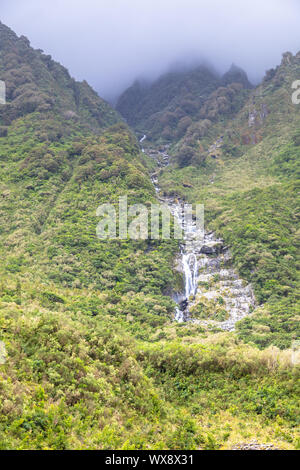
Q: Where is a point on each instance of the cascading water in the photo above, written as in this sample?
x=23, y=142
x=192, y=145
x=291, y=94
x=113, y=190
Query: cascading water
x=142, y=140
x=190, y=269
x=188, y=259
x=202, y=259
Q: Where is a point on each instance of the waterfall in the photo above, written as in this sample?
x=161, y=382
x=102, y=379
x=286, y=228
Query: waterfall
x=189, y=260
x=190, y=268
x=202, y=258
x=142, y=140
x=179, y=316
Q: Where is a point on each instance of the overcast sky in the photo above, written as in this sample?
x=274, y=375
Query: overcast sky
x=111, y=42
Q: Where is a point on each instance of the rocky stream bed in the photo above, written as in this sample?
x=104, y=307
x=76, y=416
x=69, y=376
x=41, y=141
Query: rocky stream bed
x=213, y=294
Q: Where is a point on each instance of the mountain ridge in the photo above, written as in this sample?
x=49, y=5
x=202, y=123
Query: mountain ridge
x=35, y=82
x=176, y=97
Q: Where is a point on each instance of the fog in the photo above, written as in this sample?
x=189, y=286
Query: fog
x=111, y=42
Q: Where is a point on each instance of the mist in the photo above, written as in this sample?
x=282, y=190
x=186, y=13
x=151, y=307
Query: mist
x=110, y=43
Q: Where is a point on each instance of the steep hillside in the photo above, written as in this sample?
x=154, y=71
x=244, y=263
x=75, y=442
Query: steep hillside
x=36, y=83
x=246, y=171
x=90, y=355
x=168, y=108
x=55, y=172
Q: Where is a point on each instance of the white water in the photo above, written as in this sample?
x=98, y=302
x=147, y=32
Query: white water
x=203, y=258
x=190, y=269
x=142, y=140
x=189, y=260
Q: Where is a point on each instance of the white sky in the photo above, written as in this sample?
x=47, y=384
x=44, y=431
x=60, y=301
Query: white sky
x=111, y=42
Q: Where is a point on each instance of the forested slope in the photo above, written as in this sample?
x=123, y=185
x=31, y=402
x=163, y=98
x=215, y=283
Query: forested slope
x=242, y=162
x=90, y=357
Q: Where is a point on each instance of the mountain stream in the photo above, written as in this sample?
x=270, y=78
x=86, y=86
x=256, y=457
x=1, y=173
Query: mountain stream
x=210, y=280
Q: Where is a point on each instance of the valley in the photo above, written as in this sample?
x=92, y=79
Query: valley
x=148, y=344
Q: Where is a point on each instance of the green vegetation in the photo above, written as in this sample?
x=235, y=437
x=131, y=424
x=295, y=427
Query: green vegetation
x=94, y=359
x=251, y=194
x=170, y=108
x=79, y=377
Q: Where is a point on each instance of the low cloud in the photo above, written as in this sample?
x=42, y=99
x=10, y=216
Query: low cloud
x=110, y=43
